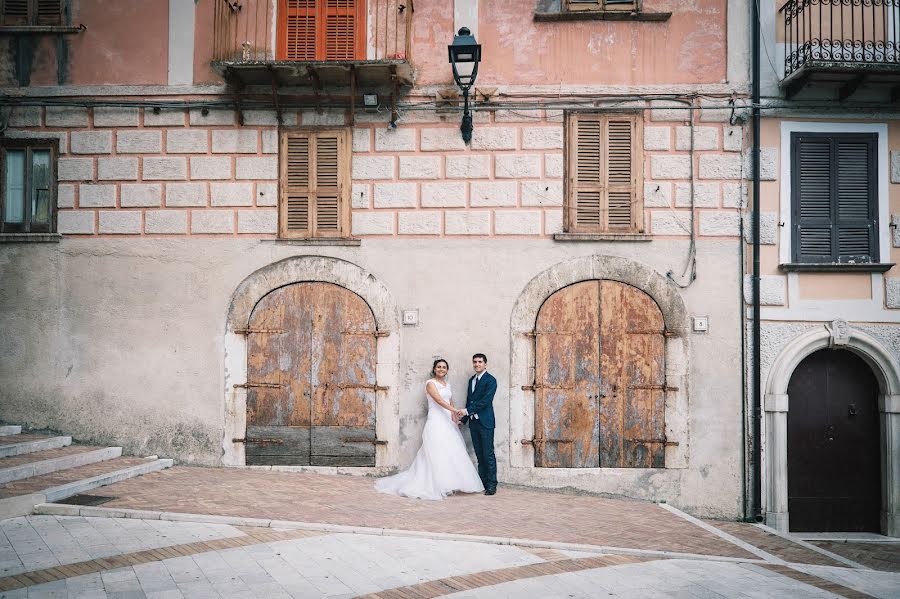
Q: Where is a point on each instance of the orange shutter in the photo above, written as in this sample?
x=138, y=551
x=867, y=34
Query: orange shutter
x=321, y=30
x=314, y=184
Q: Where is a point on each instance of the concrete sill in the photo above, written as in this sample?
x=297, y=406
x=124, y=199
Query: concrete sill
x=39, y=29
x=837, y=267
x=601, y=237
x=30, y=237
x=600, y=15
x=349, y=241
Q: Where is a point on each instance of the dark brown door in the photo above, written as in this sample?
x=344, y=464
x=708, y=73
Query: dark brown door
x=834, y=480
x=599, y=379
x=312, y=376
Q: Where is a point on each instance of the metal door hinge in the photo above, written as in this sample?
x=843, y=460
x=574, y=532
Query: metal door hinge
x=364, y=440
x=261, y=441
x=260, y=331
x=662, y=441
x=264, y=385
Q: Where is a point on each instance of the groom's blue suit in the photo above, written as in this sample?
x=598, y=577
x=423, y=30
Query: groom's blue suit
x=480, y=408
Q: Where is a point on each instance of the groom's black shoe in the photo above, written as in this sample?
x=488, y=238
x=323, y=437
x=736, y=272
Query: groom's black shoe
x=490, y=491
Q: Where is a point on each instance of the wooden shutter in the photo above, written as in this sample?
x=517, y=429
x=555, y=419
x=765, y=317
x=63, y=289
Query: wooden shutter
x=49, y=12
x=314, y=184
x=15, y=12
x=834, y=198
x=321, y=30
x=604, y=174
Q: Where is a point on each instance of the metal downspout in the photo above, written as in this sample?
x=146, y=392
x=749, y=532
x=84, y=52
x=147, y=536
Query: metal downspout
x=756, y=414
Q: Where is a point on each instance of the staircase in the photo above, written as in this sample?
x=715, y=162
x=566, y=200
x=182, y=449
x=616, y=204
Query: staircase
x=42, y=468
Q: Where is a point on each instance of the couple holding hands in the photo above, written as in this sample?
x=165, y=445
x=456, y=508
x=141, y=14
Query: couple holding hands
x=442, y=465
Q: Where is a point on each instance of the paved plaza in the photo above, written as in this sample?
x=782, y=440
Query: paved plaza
x=205, y=532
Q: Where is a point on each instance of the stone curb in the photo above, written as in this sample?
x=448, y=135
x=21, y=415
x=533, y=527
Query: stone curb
x=73, y=488
x=811, y=547
x=10, y=429
x=54, y=509
x=32, y=446
x=61, y=463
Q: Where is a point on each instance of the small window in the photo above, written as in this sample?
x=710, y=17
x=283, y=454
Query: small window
x=834, y=202
x=603, y=174
x=314, y=184
x=28, y=187
x=31, y=12
x=321, y=30
x=623, y=5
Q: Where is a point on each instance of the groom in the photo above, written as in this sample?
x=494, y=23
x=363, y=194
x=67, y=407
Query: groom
x=479, y=413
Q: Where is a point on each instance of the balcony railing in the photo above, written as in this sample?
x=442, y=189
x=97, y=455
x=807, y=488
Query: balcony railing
x=843, y=34
x=248, y=31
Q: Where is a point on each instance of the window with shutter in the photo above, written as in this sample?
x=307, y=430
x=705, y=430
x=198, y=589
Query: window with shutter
x=834, y=202
x=31, y=12
x=315, y=183
x=604, y=165
x=27, y=186
x=321, y=30
x=624, y=5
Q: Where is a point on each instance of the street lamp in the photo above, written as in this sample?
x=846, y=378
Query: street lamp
x=465, y=55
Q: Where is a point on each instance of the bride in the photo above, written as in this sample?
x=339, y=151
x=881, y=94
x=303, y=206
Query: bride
x=442, y=464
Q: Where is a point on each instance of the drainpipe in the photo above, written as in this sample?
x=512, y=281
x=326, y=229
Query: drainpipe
x=756, y=413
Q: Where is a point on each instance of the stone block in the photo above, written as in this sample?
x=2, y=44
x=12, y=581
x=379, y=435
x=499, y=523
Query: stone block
x=75, y=222
x=768, y=228
x=467, y=223
x=419, y=222
x=719, y=223
x=494, y=138
x=666, y=222
x=66, y=116
x=441, y=140
x=75, y=169
x=553, y=165
x=362, y=139
x=91, y=142
x=469, y=166
x=895, y=228
x=395, y=195
x=166, y=117
x=420, y=167
x=213, y=117
x=185, y=194
x=210, y=167
x=159, y=168
x=25, y=116
x=235, y=141
x=165, y=222
x=422, y=116
x=372, y=223
x=720, y=166
x=326, y=118
x=706, y=195
x=139, y=142
x=96, y=196
x=266, y=194
x=517, y=116
x=542, y=193
x=553, y=222
x=715, y=111
x=657, y=195
x=670, y=167
x=256, y=168
x=133, y=195
x=733, y=139
x=517, y=166
x=116, y=116
x=395, y=140
x=120, y=222
x=117, y=169
x=212, y=221
x=734, y=195
x=542, y=138
x=517, y=222
x=361, y=196
x=269, y=141
x=658, y=138
x=60, y=136
x=705, y=138
x=443, y=195
x=892, y=292
x=669, y=110
x=258, y=221
x=269, y=118
x=65, y=195
x=231, y=194
x=768, y=164
x=187, y=141
x=373, y=167
x=771, y=290
x=895, y=166
x=553, y=116
x=493, y=193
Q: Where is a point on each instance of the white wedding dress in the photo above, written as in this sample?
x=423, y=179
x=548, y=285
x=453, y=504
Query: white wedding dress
x=442, y=464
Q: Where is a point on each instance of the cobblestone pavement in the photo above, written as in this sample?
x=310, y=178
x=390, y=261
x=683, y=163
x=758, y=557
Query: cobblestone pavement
x=534, y=544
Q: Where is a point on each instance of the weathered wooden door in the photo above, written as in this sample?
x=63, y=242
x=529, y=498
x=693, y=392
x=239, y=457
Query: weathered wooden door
x=834, y=477
x=311, y=376
x=599, y=379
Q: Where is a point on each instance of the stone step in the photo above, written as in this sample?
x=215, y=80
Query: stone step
x=52, y=460
x=9, y=429
x=18, y=498
x=18, y=444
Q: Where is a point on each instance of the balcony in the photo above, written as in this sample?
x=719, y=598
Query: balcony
x=842, y=45
x=356, y=44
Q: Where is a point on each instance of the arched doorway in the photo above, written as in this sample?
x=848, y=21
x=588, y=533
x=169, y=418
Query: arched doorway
x=311, y=378
x=599, y=378
x=834, y=468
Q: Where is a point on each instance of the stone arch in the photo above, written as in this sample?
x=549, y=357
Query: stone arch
x=522, y=322
x=298, y=269
x=776, y=403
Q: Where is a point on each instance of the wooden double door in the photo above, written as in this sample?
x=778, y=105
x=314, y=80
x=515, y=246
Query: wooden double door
x=599, y=378
x=311, y=378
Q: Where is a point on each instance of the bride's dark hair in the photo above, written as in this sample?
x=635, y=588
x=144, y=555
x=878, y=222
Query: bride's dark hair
x=436, y=362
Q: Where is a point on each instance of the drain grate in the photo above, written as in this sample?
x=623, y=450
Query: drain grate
x=83, y=499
